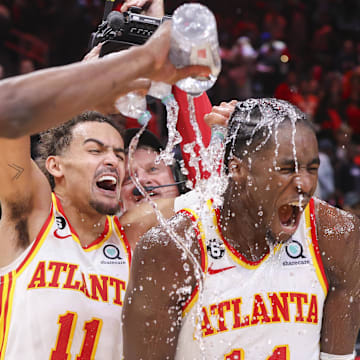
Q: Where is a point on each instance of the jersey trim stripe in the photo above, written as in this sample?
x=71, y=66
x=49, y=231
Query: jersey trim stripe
x=8, y=285
x=96, y=244
x=191, y=301
x=314, y=246
x=199, y=230
x=235, y=255
x=38, y=242
x=200, y=234
x=122, y=236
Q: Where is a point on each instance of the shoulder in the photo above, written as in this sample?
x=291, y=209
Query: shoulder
x=338, y=236
x=335, y=223
x=167, y=242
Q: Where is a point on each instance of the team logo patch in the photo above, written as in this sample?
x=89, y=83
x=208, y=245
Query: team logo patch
x=215, y=248
x=294, y=254
x=112, y=253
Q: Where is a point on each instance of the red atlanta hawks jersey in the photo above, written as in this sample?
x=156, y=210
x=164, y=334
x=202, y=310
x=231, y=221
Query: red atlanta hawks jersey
x=270, y=309
x=60, y=300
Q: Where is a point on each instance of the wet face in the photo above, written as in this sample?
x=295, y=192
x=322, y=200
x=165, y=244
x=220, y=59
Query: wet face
x=149, y=174
x=281, y=180
x=93, y=167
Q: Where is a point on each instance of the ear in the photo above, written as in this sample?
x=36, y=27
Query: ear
x=53, y=166
x=238, y=170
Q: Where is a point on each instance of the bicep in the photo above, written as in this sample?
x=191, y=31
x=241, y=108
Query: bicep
x=340, y=321
x=20, y=178
x=341, y=318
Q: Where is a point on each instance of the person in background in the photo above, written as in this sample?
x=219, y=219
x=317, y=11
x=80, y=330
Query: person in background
x=150, y=174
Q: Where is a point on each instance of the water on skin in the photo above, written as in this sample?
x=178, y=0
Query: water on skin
x=272, y=117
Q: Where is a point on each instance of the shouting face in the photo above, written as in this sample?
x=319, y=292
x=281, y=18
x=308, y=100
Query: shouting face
x=280, y=179
x=91, y=169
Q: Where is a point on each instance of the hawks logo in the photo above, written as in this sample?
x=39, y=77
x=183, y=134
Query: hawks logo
x=215, y=248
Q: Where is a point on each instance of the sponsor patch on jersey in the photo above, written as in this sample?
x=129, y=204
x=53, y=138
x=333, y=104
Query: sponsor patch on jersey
x=295, y=254
x=215, y=248
x=113, y=255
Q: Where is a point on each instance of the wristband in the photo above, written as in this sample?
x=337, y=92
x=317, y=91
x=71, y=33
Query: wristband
x=325, y=356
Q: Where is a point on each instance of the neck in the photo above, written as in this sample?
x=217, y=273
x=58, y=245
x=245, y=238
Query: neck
x=241, y=230
x=87, y=222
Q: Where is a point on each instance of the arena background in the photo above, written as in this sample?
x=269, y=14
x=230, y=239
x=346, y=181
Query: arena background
x=303, y=51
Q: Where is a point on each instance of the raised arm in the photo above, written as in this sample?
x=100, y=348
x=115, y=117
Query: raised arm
x=202, y=107
x=339, y=241
x=157, y=290
x=42, y=99
x=202, y=103
x=25, y=198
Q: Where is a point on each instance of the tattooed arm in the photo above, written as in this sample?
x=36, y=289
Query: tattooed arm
x=24, y=196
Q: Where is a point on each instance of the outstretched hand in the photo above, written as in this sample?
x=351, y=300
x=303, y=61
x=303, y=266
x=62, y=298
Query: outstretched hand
x=140, y=86
x=220, y=114
x=163, y=70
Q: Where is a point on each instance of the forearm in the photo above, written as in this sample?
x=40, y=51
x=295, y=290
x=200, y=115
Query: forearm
x=202, y=106
x=43, y=99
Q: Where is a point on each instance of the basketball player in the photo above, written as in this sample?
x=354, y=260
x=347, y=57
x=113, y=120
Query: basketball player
x=64, y=259
x=277, y=270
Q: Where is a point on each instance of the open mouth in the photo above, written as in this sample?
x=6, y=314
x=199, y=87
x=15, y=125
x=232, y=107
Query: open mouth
x=142, y=198
x=289, y=215
x=107, y=182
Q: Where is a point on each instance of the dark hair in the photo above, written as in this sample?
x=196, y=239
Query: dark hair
x=253, y=123
x=56, y=140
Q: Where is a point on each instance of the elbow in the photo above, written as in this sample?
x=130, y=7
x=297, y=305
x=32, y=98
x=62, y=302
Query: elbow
x=14, y=120
x=11, y=129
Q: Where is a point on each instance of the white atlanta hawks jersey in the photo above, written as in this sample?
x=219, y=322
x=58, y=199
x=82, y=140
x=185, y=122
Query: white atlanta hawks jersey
x=265, y=310
x=61, y=301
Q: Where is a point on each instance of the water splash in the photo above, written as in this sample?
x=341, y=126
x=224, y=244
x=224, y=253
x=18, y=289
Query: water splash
x=273, y=112
x=174, y=137
x=164, y=224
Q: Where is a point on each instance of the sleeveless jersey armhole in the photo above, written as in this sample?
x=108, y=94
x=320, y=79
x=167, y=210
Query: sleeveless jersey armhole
x=200, y=235
x=310, y=218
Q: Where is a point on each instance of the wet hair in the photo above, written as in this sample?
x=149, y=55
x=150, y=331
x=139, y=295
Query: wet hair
x=56, y=140
x=253, y=123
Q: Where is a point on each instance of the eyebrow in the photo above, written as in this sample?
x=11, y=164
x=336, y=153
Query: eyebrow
x=314, y=161
x=120, y=149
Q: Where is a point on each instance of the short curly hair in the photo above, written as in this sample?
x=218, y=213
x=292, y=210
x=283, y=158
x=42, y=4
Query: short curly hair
x=255, y=121
x=56, y=140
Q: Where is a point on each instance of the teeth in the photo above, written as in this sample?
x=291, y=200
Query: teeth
x=108, y=178
x=295, y=203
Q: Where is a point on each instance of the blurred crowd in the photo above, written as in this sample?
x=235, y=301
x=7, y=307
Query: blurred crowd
x=303, y=51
